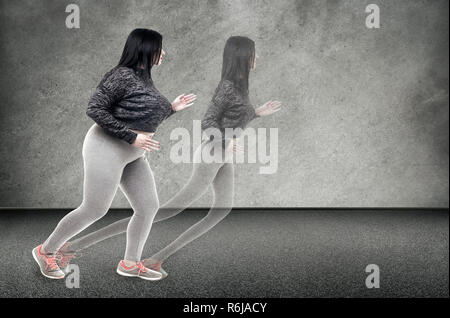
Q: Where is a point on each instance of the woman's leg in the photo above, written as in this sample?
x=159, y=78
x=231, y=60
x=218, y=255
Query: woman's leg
x=201, y=177
x=223, y=186
x=102, y=173
x=138, y=185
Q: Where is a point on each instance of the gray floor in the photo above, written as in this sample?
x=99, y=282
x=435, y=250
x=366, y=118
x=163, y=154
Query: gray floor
x=252, y=253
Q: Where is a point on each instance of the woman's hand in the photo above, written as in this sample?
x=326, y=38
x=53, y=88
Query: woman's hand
x=145, y=142
x=268, y=108
x=183, y=101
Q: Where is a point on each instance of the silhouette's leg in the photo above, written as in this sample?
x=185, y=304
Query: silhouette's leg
x=223, y=186
x=201, y=178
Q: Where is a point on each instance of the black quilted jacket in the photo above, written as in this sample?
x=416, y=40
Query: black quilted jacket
x=229, y=108
x=126, y=99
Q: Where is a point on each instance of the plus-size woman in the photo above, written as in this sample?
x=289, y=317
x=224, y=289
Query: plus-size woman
x=127, y=109
x=230, y=107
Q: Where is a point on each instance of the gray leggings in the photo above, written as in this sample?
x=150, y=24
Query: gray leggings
x=110, y=162
x=220, y=175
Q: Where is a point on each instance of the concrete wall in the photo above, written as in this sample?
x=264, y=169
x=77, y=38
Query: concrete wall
x=365, y=111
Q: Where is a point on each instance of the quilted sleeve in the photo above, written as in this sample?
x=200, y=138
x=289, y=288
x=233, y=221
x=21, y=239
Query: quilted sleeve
x=110, y=90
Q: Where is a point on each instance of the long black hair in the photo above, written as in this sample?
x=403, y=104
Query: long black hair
x=142, y=48
x=238, y=58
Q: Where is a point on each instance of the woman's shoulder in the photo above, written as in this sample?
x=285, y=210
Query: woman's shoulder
x=118, y=76
x=118, y=72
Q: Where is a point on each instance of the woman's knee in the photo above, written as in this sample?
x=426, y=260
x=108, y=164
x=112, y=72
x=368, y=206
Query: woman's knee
x=155, y=206
x=223, y=200
x=218, y=213
x=150, y=209
x=94, y=211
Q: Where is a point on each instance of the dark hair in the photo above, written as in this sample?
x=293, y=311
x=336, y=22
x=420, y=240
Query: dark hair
x=238, y=57
x=143, y=47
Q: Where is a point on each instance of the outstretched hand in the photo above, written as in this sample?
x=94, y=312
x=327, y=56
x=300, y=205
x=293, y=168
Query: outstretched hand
x=268, y=108
x=183, y=101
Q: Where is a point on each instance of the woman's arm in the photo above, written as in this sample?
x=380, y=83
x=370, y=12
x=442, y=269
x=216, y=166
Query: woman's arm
x=240, y=108
x=110, y=90
x=212, y=116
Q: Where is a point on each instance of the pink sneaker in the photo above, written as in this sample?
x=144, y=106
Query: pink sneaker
x=138, y=270
x=47, y=263
x=64, y=257
x=155, y=265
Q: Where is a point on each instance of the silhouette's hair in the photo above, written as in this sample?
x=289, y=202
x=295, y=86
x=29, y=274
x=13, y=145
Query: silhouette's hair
x=142, y=48
x=238, y=57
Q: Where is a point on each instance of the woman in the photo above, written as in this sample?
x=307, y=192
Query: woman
x=229, y=107
x=127, y=109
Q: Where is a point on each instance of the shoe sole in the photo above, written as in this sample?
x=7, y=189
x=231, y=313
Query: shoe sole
x=42, y=272
x=134, y=275
x=164, y=274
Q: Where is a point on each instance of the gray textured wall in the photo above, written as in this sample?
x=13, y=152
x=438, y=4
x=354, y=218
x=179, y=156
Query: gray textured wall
x=365, y=111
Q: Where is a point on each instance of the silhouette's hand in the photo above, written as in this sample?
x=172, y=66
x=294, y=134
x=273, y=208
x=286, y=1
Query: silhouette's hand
x=234, y=146
x=145, y=142
x=268, y=108
x=183, y=101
